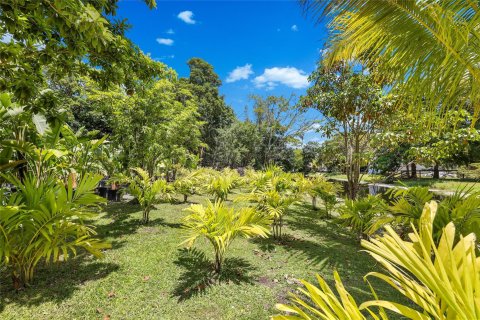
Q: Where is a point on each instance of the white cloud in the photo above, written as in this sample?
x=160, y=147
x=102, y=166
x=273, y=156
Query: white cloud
x=171, y=56
x=240, y=73
x=187, y=17
x=164, y=41
x=294, y=28
x=170, y=31
x=289, y=76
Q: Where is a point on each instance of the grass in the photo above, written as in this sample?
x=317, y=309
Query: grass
x=437, y=184
x=441, y=184
x=146, y=275
x=367, y=178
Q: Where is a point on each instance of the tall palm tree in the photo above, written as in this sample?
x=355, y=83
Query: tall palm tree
x=428, y=48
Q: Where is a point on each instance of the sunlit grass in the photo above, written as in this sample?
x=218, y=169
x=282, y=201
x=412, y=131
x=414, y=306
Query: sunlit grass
x=146, y=275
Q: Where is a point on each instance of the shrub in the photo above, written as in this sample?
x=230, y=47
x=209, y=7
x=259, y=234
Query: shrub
x=361, y=215
x=148, y=191
x=441, y=281
x=222, y=183
x=186, y=184
x=43, y=220
x=273, y=193
x=220, y=225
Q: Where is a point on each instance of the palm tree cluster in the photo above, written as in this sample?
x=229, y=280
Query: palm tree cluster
x=440, y=279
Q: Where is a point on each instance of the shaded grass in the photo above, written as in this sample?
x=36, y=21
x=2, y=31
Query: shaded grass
x=146, y=275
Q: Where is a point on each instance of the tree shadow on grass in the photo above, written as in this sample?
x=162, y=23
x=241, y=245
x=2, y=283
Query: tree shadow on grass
x=55, y=282
x=324, y=245
x=124, y=224
x=316, y=225
x=198, y=274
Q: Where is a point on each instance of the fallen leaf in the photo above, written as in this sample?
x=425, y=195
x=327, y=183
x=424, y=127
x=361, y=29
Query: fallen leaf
x=111, y=294
x=146, y=278
x=106, y=317
x=100, y=310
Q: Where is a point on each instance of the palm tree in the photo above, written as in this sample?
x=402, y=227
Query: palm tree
x=220, y=225
x=427, y=48
x=274, y=192
x=149, y=191
x=441, y=281
x=361, y=214
x=44, y=221
x=221, y=184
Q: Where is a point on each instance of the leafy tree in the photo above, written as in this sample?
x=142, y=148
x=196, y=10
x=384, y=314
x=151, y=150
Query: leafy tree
x=220, y=225
x=43, y=220
x=158, y=126
x=148, y=191
x=440, y=281
x=279, y=122
x=68, y=37
x=332, y=155
x=213, y=112
x=310, y=155
x=430, y=138
x=428, y=49
x=237, y=144
x=354, y=107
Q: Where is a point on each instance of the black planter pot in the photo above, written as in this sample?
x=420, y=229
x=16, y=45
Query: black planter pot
x=113, y=195
x=102, y=192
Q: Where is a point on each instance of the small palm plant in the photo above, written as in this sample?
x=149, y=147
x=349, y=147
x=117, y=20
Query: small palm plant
x=221, y=184
x=327, y=191
x=441, y=280
x=274, y=193
x=361, y=215
x=186, y=184
x=220, y=225
x=43, y=220
x=462, y=208
x=149, y=191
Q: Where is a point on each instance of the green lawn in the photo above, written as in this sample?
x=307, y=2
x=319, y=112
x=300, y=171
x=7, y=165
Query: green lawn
x=441, y=184
x=365, y=178
x=438, y=184
x=146, y=275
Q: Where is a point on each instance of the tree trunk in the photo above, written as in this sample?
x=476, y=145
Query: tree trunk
x=17, y=282
x=436, y=171
x=314, y=203
x=218, y=263
x=185, y=198
x=414, y=170
x=146, y=216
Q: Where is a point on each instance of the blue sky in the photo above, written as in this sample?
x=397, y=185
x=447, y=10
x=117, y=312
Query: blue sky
x=256, y=47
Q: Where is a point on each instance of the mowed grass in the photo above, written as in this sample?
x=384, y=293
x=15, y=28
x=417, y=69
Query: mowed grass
x=147, y=275
x=442, y=184
x=436, y=184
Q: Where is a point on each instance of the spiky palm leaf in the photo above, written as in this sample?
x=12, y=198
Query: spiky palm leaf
x=221, y=184
x=441, y=281
x=149, y=191
x=44, y=219
x=220, y=225
x=429, y=48
x=361, y=214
